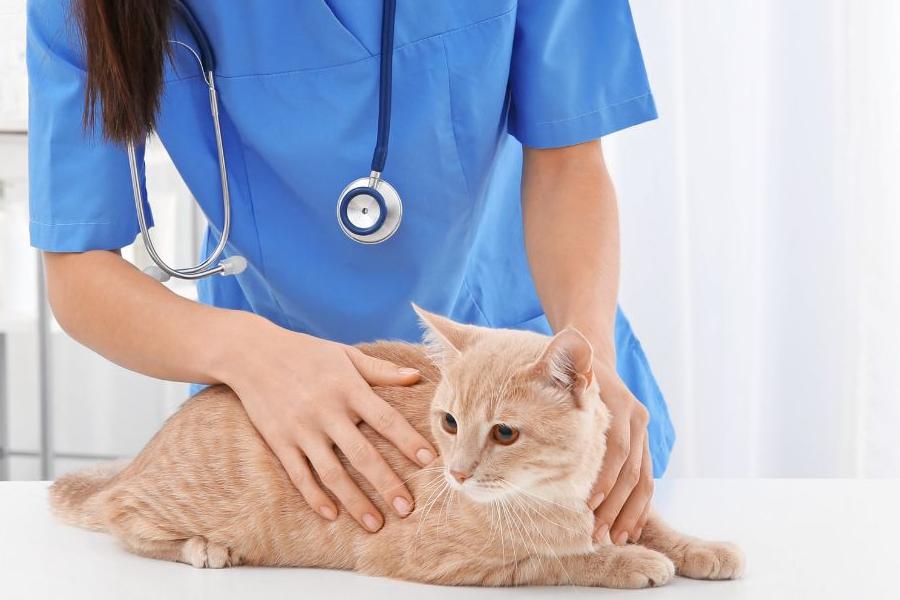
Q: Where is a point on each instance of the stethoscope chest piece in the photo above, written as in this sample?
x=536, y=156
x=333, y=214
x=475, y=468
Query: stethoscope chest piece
x=369, y=210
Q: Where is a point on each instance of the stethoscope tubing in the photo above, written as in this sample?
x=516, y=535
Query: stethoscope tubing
x=205, y=268
x=385, y=86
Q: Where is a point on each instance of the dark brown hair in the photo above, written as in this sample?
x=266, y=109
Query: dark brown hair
x=125, y=43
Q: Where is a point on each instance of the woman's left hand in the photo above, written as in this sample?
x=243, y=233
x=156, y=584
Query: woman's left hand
x=621, y=495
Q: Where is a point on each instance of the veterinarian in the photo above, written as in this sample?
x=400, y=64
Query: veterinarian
x=494, y=109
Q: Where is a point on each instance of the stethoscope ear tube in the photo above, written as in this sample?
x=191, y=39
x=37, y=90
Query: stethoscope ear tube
x=206, y=52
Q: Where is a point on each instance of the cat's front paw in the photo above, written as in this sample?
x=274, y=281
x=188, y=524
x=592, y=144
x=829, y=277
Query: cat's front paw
x=638, y=567
x=711, y=560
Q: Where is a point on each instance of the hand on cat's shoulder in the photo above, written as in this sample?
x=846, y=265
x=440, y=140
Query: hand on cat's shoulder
x=621, y=495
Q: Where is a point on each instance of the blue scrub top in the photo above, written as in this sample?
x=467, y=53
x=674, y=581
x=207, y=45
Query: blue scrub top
x=298, y=87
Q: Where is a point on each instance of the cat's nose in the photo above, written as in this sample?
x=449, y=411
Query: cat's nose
x=460, y=476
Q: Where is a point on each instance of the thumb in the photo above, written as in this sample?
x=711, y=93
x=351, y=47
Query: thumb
x=382, y=372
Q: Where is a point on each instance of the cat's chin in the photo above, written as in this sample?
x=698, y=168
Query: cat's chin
x=480, y=493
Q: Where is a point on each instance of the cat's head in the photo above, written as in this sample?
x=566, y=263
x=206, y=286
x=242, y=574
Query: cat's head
x=515, y=412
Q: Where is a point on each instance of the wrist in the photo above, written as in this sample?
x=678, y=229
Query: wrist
x=603, y=344
x=607, y=376
x=236, y=333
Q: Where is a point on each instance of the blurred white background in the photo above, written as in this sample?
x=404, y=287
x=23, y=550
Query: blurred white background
x=760, y=224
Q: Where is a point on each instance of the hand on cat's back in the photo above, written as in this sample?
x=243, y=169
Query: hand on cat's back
x=306, y=397
x=621, y=495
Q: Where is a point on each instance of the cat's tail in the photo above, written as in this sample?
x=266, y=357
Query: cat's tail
x=74, y=497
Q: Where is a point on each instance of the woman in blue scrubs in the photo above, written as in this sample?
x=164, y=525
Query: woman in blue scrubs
x=510, y=217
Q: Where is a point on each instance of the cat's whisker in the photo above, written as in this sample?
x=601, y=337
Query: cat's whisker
x=490, y=540
x=522, y=528
x=422, y=471
x=441, y=512
x=442, y=498
x=500, y=529
x=426, y=510
x=454, y=498
x=434, y=491
x=451, y=498
x=514, y=513
x=507, y=527
x=540, y=513
x=537, y=529
x=543, y=516
x=429, y=469
x=440, y=487
x=574, y=530
x=511, y=527
x=430, y=485
x=536, y=496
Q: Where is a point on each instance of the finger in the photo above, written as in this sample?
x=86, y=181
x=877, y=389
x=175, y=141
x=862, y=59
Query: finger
x=617, y=449
x=335, y=477
x=642, y=521
x=387, y=420
x=611, y=506
x=368, y=461
x=294, y=463
x=625, y=525
x=381, y=372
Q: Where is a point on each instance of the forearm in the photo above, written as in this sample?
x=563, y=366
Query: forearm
x=106, y=304
x=572, y=239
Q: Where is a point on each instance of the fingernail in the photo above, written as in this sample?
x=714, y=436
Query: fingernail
x=622, y=538
x=600, y=534
x=328, y=512
x=596, y=500
x=637, y=534
x=370, y=522
x=407, y=372
x=424, y=457
x=401, y=505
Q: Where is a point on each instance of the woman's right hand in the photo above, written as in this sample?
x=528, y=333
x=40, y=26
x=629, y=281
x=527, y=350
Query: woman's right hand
x=306, y=396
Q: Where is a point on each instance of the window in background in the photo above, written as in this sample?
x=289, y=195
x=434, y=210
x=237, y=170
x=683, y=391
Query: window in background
x=99, y=409
x=760, y=220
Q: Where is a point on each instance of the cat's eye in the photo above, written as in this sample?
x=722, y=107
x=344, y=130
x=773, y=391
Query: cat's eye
x=449, y=424
x=504, y=434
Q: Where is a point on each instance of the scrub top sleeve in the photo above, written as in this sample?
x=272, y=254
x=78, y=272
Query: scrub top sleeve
x=80, y=194
x=577, y=73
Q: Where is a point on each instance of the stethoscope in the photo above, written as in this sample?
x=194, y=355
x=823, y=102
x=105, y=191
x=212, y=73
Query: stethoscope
x=369, y=208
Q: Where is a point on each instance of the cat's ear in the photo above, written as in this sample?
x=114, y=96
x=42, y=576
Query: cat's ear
x=444, y=338
x=567, y=363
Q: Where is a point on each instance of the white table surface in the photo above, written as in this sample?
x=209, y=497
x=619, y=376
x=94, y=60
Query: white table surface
x=802, y=538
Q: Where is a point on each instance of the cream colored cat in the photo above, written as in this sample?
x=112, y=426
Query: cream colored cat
x=517, y=412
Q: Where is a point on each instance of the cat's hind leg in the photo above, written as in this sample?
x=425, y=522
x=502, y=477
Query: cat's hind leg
x=146, y=533
x=201, y=553
x=693, y=557
x=196, y=551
